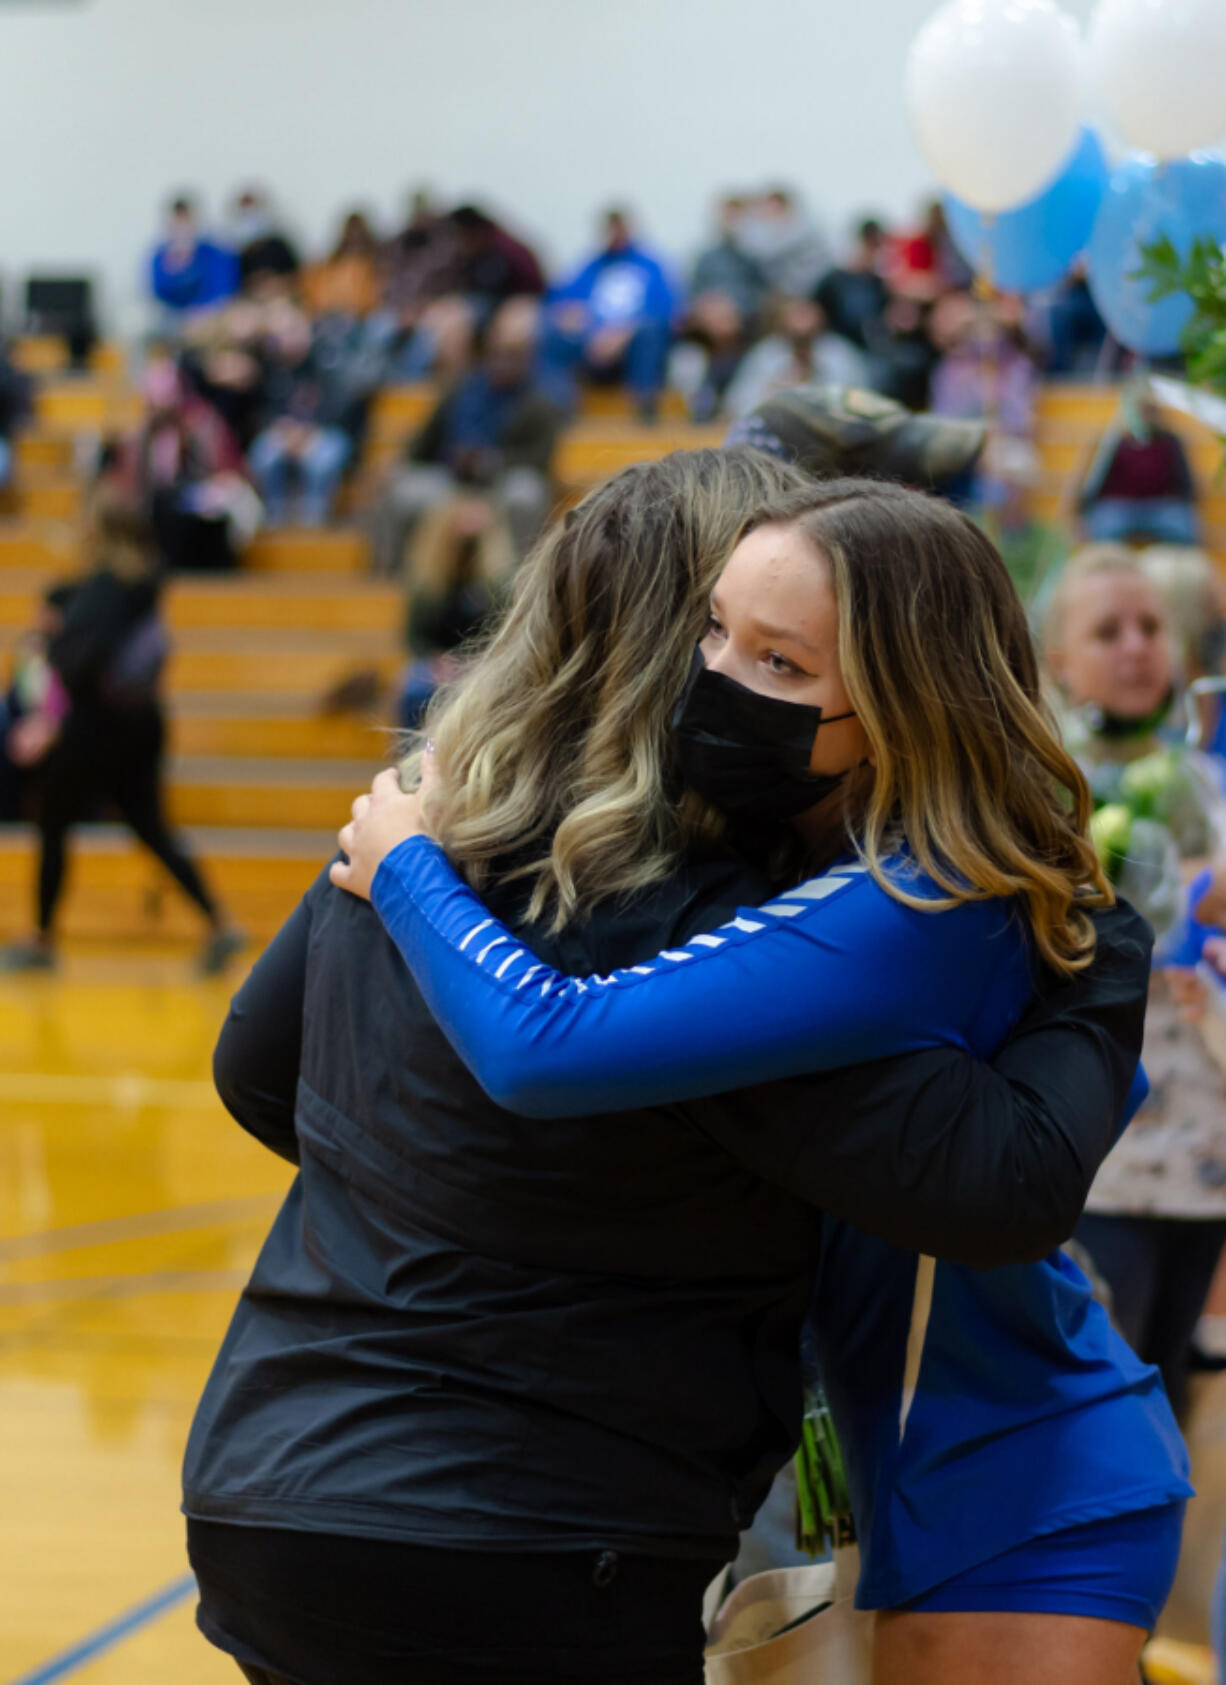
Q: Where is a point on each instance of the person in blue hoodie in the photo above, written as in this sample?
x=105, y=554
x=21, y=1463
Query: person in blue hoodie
x=612, y=320
x=189, y=272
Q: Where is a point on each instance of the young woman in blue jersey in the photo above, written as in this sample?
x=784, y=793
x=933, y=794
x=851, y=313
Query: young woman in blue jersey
x=867, y=680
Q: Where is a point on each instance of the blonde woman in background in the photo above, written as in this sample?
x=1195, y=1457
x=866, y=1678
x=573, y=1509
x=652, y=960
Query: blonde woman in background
x=1156, y=1218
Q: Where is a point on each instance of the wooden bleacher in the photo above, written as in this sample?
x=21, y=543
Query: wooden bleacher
x=259, y=776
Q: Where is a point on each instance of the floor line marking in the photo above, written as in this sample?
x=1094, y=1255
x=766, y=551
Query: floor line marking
x=121, y=1286
x=108, y=1230
x=126, y=1090
x=57, y=1318
x=107, y=1636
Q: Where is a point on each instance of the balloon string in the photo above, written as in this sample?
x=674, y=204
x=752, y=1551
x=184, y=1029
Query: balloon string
x=983, y=290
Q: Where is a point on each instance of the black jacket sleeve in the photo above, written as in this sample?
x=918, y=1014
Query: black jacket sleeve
x=256, y=1060
x=979, y=1164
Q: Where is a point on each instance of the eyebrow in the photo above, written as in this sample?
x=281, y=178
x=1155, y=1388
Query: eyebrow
x=768, y=631
x=784, y=636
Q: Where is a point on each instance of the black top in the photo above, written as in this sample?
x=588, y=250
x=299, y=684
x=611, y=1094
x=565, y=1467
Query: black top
x=473, y=1330
x=99, y=615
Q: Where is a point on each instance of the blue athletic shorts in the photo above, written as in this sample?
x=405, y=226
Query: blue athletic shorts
x=1118, y=1569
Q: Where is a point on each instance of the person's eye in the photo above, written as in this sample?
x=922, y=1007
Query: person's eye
x=779, y=664
x=714, y=627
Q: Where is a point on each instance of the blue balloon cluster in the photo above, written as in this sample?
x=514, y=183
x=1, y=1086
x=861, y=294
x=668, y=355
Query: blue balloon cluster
x=1145, y=199
x=1109, y=217
x=1033, y=247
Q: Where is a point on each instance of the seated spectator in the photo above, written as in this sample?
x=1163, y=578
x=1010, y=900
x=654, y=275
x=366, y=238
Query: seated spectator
x=460, y=566
x=16, y=395
x=184, y=469
x=423, y=327
x=987, y=373
x=902, y=355
x=346, y=283
x=490, y=264
x=785, y=242
x=317, y=400
x=496, y=428
x=224, y=360
x=189, y=272
x=612, y=319
x=1074, y=332
x=263, y=248
x=1140, y=486
x=927, y=264
x=728, y=294
x=711, y=346
x=725, y=270
x=799, y=351
x=854, y=294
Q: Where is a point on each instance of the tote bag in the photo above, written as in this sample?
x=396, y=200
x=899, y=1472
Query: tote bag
x=791, y=1626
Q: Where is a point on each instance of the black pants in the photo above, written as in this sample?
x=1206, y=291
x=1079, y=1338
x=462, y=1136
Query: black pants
x=321, y=1609
x=1159, y=1270
x=108, y=756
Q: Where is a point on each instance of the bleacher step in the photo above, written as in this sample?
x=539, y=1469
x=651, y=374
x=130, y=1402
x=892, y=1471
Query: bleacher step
x=291, y=550
x=264, y=792
x=118, y=892
x=274, y=726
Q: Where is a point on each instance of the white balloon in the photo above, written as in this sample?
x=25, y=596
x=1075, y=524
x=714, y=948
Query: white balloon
x=1160, y=66
x=995, y=90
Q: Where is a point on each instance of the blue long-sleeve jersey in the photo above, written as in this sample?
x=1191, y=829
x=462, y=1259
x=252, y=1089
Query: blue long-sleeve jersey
x=978, y=1410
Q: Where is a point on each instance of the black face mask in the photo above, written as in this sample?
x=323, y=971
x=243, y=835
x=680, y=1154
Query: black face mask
x=1120, y=727
x=746, y=754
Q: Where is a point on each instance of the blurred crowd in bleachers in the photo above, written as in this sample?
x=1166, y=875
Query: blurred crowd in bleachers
x=277, y=353
x=264, y=365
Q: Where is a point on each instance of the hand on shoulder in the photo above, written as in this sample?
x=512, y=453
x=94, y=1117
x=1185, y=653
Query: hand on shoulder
x=381, y=821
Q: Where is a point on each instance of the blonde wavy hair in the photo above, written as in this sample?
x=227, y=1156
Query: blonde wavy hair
x=970, y=774
x=554, y=748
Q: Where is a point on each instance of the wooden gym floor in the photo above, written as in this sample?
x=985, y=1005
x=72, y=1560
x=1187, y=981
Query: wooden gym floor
x=131, y=1210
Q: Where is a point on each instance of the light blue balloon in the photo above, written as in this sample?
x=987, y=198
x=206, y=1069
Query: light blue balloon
x=1145, y=199
x=1032, y=247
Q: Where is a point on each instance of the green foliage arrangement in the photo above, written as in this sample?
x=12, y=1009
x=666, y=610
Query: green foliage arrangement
x=1202, y=275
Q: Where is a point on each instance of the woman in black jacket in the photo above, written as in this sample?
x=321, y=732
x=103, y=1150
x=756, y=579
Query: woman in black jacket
x=495, y=1404
x=107, y=656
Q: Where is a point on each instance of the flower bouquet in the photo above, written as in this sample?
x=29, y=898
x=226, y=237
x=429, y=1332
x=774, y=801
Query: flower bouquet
x=824, y=1520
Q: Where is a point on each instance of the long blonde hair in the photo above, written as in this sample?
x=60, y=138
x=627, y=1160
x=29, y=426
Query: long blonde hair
x=555, y=748
x=970, y=773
